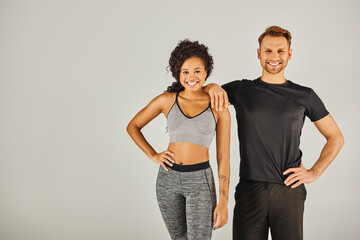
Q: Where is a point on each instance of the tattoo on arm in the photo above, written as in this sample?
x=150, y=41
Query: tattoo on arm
x=224, y=189
x=224, y=178
x=224, y=193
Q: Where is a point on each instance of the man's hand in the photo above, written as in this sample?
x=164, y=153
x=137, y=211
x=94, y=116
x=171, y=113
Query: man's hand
x=301, y=175
x=218, y=95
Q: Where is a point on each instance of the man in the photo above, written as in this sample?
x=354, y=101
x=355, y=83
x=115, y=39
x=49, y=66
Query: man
x=270, y=113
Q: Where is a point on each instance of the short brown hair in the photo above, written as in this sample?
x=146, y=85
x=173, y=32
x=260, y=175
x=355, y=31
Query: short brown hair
x=276, y=31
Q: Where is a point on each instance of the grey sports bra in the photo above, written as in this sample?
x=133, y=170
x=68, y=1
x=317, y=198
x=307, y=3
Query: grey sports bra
x=199, y=129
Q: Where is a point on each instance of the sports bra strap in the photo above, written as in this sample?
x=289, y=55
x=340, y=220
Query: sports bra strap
x=176, y=99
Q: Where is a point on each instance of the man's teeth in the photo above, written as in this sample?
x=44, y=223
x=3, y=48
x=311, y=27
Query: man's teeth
x=274, y=64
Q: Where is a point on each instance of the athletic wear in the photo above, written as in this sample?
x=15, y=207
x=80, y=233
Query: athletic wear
x=190, y=168
x=187, y=200
x=199, y=129
x=259, y=205
x=186, y=193
x=270, y=118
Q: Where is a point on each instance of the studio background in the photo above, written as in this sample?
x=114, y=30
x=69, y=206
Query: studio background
x=74, y=73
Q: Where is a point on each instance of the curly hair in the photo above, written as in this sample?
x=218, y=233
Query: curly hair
x=184, y=50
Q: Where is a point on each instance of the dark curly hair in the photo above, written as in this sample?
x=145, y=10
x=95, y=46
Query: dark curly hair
x=184, y=50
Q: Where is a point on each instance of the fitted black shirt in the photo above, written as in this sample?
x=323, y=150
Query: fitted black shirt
x=270, y=118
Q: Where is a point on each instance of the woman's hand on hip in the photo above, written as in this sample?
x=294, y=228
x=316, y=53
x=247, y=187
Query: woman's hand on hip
x=162, y=158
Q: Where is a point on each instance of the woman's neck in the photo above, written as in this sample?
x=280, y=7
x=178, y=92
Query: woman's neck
x=193, y=95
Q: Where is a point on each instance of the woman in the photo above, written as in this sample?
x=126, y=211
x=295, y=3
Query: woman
x=185, y=186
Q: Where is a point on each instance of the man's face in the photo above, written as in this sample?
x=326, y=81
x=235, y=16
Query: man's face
x=274, y=54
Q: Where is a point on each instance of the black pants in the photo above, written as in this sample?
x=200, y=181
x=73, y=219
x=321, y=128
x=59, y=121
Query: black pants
x=260, y=206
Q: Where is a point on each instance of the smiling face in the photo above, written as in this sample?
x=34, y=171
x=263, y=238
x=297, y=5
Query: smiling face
x=192, y=74
x=274, y=54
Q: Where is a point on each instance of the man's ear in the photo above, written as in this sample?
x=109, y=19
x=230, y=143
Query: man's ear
x=290, y=53
x=258, y=53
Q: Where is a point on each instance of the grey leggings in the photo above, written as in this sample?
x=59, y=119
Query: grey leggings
x=187, y=201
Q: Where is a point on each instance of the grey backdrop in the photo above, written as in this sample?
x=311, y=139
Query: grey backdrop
x=73, y=74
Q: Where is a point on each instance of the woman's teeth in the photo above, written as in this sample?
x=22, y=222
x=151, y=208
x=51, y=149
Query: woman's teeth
x=192, y=83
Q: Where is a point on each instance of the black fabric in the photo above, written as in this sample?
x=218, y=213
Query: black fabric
x=270, y=118
x=190, y=168
x=260, y=206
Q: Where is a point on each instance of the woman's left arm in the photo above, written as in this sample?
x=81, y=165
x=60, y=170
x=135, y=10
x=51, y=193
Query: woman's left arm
x=223, y=159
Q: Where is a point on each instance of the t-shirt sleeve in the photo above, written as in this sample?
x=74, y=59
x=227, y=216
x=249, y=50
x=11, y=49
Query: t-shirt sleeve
x=316, y=109
x=230, y=89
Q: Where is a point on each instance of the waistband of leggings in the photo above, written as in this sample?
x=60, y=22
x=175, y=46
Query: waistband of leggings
x=190, y=168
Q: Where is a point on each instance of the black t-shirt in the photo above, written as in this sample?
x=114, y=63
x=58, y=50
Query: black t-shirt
x=270, y=118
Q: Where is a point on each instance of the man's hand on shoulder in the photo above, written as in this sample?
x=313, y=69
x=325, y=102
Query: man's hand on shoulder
x=218, y=96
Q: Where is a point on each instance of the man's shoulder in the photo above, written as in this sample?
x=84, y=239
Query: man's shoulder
x=238, y=82
x=299, y=87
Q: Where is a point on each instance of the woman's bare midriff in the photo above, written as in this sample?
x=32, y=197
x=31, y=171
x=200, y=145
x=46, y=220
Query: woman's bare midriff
x=188, y=153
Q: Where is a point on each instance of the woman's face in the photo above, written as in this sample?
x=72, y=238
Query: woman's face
x=192, y=74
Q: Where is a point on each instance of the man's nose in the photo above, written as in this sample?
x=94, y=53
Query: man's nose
x=274, y=55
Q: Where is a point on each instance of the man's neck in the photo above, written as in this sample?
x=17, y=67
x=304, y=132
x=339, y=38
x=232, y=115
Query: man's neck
x=273, y=78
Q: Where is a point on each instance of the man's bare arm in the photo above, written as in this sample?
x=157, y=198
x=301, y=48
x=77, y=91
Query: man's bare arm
x=335, y=140
x=218, y=96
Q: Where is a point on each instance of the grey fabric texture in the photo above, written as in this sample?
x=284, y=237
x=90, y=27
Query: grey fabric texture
x=199, y=129
x=187, y=201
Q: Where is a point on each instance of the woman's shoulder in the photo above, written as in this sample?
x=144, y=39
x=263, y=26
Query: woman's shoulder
x=168, y=94
x=167, y=97
x=223, y=114
x=164, y=99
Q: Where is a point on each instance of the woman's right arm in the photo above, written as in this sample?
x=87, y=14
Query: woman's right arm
x=158, y=105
